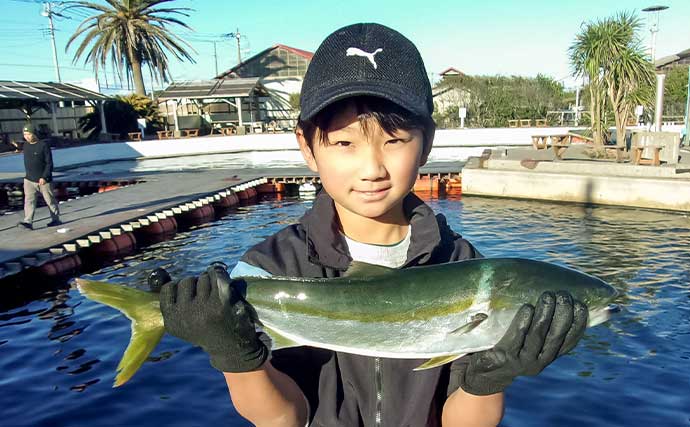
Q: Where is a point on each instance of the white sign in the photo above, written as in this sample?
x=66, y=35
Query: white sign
x=141, y=124
x=639, y=110
x=462, y=112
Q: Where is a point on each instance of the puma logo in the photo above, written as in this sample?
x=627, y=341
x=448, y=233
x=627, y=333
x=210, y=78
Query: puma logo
x=355, y=51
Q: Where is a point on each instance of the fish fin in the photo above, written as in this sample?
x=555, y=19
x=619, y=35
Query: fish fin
x=141, y=344
x=437, y=361
x=363, y=269
x=473, y=323
x=142, y=309
x=279, y=340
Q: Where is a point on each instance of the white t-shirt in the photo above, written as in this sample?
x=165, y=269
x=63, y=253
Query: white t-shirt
x=393, y=256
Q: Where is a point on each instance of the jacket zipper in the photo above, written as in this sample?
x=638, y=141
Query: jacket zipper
x=379, y=390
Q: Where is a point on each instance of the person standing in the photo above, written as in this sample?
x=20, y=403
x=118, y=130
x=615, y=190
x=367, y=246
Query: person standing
x=38, y=164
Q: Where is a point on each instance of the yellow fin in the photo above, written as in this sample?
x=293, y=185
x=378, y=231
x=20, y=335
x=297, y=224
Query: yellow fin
x=142, y=308
x=141, y=344
x=437, y=361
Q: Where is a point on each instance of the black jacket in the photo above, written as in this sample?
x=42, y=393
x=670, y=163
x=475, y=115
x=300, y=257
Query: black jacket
x=351, y=390
x=38, y=161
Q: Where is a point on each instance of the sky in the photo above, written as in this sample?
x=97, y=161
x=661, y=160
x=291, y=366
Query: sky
x=487, y=37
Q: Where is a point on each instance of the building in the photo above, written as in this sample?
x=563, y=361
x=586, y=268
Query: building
x=280, y=69
x=446, y=94
x=680, y=59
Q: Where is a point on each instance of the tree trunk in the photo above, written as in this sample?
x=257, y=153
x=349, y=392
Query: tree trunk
x=595, y=114
x=137, y=76
x=616, y=99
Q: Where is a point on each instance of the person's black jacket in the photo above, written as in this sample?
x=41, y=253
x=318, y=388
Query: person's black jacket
x=346, y=390
x=38, y=161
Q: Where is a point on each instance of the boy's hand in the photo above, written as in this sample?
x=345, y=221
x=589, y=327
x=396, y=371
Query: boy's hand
x=209, y=312
x=535, y=338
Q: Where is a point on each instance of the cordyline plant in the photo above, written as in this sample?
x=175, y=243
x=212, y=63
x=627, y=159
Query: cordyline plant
x=129, y=34
x=610, y=55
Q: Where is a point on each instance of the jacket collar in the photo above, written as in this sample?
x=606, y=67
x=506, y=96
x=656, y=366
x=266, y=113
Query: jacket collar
x=327, y=247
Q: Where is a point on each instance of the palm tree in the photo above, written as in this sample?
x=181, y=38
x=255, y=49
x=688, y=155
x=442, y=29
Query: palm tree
x=130, y=34
x=609, y=53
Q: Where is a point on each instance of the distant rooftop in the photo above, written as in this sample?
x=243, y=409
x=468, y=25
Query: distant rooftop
x=450, y=71
x=276, y=61
x=201, y=89
x=46, y=92
x=668, y=62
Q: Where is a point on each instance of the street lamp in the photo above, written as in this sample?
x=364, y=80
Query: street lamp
x=654, y=28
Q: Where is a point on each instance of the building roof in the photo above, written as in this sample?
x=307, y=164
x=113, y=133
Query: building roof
x=303, y=53
x=216, y=88
x=669, y=60
x=46, y=92
x=450, y=71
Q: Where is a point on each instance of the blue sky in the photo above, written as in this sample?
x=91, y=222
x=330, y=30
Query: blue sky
x=477, y=37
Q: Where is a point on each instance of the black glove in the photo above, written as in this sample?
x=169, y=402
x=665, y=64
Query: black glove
x=535, y=338
x=211, y=313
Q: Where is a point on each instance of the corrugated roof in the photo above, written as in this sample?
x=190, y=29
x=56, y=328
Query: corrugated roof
x=46, y=92
x=223, y=88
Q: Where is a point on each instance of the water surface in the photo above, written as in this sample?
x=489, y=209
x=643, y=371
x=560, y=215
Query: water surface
x=59, y=351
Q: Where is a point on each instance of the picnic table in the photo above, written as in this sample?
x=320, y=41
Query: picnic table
x=654, y=161
x=540, y=142
x=560, y=144
x=165, y=134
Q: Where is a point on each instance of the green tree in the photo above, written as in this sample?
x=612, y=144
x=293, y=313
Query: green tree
x=609, y=54
x=130, y=34
x=121, y=114
x=676, y=91
x=493, y=100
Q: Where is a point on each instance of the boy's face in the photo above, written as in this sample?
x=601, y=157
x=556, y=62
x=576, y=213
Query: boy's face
x=368, y=172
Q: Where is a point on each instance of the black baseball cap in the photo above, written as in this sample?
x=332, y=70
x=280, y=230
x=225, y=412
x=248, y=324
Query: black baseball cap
x=366, y=59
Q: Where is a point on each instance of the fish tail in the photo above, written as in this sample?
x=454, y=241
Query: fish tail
x=142, y=309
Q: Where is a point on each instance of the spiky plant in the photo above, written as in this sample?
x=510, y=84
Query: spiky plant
x=130, y=34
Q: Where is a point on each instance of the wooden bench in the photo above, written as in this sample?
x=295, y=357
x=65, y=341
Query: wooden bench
x=190, y=133
x=540, y=142
x=513, y=123
x=560, y=144
x=525, y=123
x=134, y=136
x=540, y=123
x=637, y=155
x=165, y=134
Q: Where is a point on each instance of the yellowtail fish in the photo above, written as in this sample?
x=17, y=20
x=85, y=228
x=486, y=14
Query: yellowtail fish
x=438, y=312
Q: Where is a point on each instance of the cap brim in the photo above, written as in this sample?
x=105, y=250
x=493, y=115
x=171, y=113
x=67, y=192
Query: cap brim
x=391, y=92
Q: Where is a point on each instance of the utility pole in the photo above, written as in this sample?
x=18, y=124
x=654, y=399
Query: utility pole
x=48, y=11
x=215, y=56
x=236, y=35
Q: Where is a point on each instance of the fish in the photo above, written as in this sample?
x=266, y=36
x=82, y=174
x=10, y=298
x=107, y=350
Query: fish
x=438, y=313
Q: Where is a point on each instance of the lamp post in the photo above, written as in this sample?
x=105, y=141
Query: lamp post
x=654, y=27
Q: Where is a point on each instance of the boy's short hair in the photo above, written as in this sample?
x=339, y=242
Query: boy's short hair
x=362, y=62
x=390, y=117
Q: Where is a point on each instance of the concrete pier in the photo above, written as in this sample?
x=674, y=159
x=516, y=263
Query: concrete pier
x=537, y=174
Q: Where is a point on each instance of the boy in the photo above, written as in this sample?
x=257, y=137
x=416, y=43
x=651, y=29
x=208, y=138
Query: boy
x=365, y=127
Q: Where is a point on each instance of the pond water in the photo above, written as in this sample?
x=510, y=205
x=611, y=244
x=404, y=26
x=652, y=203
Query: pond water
x=59, y=351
